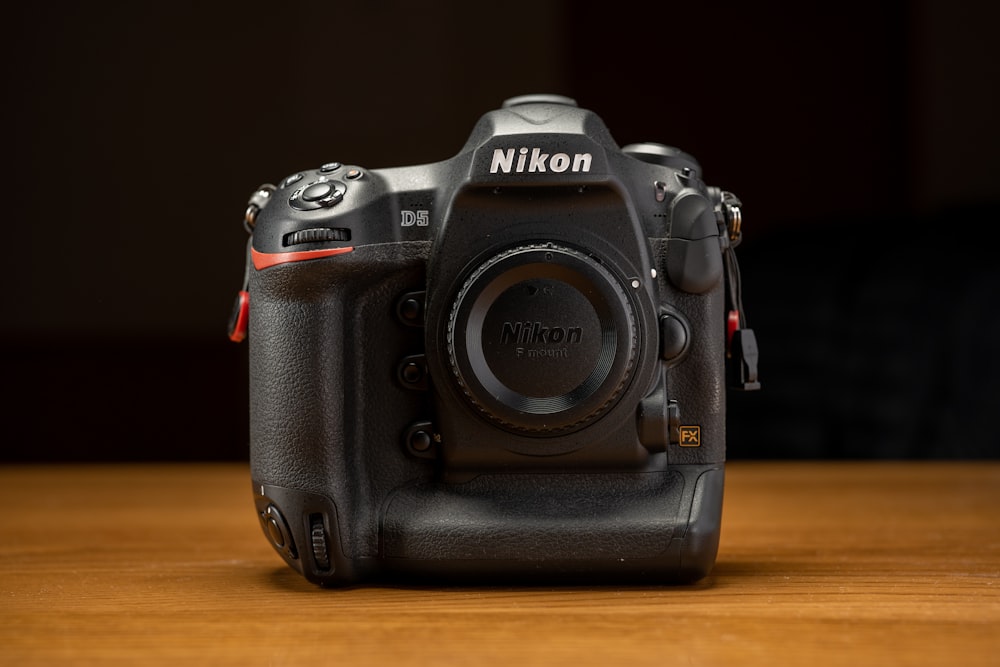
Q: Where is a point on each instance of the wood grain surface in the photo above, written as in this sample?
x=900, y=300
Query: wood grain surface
x=820, y=564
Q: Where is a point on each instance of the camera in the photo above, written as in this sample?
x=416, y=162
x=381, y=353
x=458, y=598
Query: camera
x=508, y=365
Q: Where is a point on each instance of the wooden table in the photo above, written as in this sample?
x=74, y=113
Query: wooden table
x=820, y=564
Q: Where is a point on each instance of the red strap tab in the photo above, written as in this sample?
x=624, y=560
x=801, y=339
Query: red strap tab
x=732, y=324
x=239, y=322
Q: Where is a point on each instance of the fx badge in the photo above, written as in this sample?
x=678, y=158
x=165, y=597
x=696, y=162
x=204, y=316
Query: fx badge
x=690, y=436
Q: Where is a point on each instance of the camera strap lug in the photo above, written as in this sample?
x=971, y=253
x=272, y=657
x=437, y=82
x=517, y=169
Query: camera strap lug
x=239, y=320
x=259, y=200
x=732, y=215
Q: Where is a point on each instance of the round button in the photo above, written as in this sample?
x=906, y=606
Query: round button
x=410, y=310
x=673, y=338
x=412, y=373
x=354, y=174
x=319, y=194
x=274, y=533
x=420, y=441
x=276, y=529
x=294, y=178
x=330, y=166
x=317, y=191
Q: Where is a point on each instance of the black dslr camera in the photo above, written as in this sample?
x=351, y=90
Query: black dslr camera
x=510, y=364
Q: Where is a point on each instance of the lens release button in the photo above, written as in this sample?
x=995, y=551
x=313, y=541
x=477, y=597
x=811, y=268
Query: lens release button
x=673, y=338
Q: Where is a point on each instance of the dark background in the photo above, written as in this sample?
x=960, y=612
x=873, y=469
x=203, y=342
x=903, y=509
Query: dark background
x=862, y=138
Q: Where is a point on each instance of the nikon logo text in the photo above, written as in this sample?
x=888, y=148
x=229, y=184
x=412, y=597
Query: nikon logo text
x=534, y=332
x=537, y=161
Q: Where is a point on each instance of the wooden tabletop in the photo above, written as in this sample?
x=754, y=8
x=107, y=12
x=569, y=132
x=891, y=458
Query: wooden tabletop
x=820, y=564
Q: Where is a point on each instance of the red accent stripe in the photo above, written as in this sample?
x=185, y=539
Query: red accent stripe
x=263, y=260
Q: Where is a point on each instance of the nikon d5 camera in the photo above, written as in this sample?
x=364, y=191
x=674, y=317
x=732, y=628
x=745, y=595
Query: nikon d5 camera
x=509, y=365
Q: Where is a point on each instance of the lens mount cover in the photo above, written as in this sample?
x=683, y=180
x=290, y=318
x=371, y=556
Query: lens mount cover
x=542, y=339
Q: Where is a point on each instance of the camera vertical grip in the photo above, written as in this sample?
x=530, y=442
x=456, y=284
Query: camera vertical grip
x=323, y=350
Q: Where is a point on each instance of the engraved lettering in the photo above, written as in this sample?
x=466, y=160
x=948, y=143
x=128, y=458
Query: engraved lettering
x=410, y=218
x=543, y=353
x=581, y=162
x=502, y=161
x=520, y=159
x=538, y=159
x=535, y=333
x=559, y=163
x=510, y=332
x=534, y=161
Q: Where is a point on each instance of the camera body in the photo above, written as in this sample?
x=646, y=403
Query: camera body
x=509, y=364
